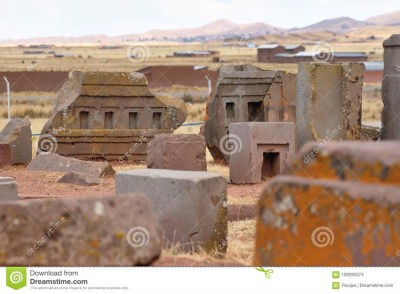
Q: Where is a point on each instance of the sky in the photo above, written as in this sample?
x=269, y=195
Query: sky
x=41, y=18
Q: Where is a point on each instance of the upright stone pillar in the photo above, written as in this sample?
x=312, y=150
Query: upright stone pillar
x=391, y=89
x=328, y=105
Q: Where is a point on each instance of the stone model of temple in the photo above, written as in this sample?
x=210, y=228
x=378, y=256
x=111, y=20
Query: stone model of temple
x=112, y=116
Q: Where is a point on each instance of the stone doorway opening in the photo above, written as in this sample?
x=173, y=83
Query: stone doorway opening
x=270, y=164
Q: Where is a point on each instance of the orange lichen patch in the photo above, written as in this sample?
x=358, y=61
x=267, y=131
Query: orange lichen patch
x=365, y=162
x=95, y=243
x=304, y=222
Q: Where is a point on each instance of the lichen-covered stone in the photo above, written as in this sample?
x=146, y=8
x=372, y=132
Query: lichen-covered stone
x=89, y=231
x=365, y=162
x=313, y=222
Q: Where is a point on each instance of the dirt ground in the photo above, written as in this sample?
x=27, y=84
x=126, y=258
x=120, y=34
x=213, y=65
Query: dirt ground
x=242, y=201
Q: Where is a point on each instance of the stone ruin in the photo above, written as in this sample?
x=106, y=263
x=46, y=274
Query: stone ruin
x=87, y=231
x=177, y=152
x=111, y=116
x=245, y=93
x=18, y=135
x=265, y=150
x=8, y=189
x=342, y=199
x=191, y=206
x=391, y=89
x=347, y=190
x=329, y=99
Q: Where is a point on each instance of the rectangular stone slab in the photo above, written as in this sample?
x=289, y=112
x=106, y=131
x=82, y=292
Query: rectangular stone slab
x=312, y=222
x=365, y=162
x=177, y=152
x=90, y=231
x=190, y=206
x=51, y=162
x=329, y=101
x=8, y=189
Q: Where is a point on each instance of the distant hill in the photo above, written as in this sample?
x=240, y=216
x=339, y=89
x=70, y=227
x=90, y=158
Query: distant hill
x=338, y=24
x=224, y=29
x=216, y=30
x=388, y=19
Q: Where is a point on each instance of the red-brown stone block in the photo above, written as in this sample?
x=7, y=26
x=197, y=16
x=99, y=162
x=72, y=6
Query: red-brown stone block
x=5, y=155
x=313, y=222
x=177, y=152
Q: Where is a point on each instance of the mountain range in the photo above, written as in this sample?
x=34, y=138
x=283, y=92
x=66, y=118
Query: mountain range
x=223, y=29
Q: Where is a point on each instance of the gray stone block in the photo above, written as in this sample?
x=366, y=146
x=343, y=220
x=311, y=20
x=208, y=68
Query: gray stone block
x=52, y=162
x=8, y=189
x=260, y=150
x=190, y=206
x=328, y=105
x=391, y=89
x=18, y=134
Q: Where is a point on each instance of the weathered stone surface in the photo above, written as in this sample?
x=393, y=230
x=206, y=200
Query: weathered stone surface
x=245, y=93
x=391, y=89
x=312, y=222
x=364, y=162
x=260, y=150
x=5, y=155
x=177, y=152
x=52, y=162
x=110, y=116
x=329, y=101
x=8, y=189
x=90, y=231
x=80, y=179
x=369, y=133
x=190, y=206
x=18, y=134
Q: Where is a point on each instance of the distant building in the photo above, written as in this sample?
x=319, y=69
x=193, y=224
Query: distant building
x=275, y=53
x=373, y=72
x=266, y=53
x=314, y=56
x=293, y=49
x=193, y=53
